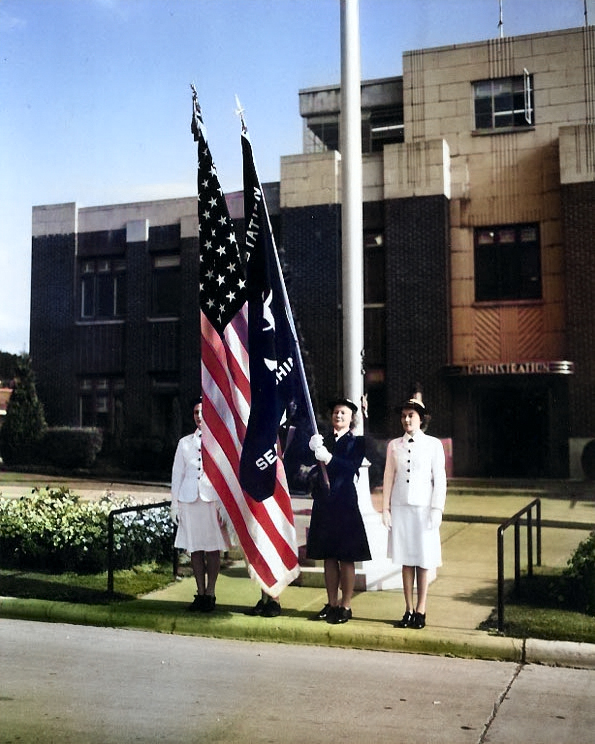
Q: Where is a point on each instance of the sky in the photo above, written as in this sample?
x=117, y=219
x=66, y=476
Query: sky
x=95, y=99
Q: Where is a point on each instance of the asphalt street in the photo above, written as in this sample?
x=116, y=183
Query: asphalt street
x=87, y=685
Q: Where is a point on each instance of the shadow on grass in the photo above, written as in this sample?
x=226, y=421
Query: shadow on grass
x=54, y=588
x=83, y=588
x=540, y=609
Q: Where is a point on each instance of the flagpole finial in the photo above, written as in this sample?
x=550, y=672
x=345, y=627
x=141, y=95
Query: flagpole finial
x=240, y=113
x=197, y=122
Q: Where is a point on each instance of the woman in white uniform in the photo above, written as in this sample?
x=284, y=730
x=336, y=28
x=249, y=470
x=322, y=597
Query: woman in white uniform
x=195, y=508
x=413, y=499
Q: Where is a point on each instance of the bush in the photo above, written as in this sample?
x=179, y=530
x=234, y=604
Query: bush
x=71, y=447
x=580, y=577
x=143, y=453
x=54, y=530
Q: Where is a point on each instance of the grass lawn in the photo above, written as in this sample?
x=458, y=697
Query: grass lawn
x=539, y=611
x=84, y=588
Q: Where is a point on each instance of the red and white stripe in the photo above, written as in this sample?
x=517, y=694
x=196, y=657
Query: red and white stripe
x=266, y=529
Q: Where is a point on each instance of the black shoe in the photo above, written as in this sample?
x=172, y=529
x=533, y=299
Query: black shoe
x=324, y=613
x=271, y=609
x=406, y=621
x=209, y=603
x=339, y=616
x=198, y=603
x=257, y=610
x=419, y=621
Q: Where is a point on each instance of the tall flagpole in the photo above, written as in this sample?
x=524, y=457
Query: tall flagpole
x=351, y=203
x=379, y=573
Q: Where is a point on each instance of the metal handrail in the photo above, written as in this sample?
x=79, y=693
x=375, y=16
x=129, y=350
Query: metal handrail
x=110, y=540
x=517, y=521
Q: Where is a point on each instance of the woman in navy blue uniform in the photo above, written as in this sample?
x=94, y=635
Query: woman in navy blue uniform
x=337, y=534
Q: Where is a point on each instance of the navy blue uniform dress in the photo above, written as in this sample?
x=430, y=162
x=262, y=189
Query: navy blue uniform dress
x=336, y=526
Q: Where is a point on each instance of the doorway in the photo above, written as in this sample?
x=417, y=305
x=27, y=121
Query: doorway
x=513, y=432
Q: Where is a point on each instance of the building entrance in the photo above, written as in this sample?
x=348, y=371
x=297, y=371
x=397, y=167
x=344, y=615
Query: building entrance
x=513, y=432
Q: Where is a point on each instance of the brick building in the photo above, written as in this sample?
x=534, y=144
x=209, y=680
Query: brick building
x=479, y=252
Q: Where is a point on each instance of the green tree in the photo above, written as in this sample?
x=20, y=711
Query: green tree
x=8, y=363
x=25, y=424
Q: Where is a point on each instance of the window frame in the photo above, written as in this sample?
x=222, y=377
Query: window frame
x=97, y=397
x=102, y=282
x=507, y=263
x=516, y=114
x=165, y=267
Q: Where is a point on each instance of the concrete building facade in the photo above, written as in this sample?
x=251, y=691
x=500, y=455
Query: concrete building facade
x=479, y=245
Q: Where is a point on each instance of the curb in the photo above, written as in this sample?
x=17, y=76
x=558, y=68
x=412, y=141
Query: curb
x=560, y=653
x=234, y=624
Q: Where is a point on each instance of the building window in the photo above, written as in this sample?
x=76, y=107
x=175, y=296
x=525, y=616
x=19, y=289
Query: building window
x=507, y=263
x=386, y=127
x=504, y=103
x=380, y=126
x=98, y=397
x=165, y=286
x=103, y=288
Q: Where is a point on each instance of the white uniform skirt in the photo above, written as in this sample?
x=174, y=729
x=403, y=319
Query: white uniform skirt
x=199, y=527
x=410, y=542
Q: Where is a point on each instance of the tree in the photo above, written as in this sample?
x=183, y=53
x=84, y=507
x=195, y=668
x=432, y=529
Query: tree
x=25, y=424
x=8, y=363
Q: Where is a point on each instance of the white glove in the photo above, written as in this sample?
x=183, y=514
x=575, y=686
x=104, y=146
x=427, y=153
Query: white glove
x=323, y=455
x=435, y=519
x=387, y=520
x=174, y=513
x=316, y=441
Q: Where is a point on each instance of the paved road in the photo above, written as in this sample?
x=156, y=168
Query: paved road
x=83, y=685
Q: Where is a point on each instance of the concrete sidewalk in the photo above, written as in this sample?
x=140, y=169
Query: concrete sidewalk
x=460, y=599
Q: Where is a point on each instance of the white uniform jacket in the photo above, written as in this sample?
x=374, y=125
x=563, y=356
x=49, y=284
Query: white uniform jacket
x=188, y=479
x=415, y=472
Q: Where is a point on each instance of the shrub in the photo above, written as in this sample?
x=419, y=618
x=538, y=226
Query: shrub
x=71, y=447
x=54, y=530
x=142, y=453
x=580, y=577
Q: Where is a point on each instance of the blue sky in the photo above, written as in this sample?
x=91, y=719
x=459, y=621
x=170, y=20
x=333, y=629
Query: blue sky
x=95, y=100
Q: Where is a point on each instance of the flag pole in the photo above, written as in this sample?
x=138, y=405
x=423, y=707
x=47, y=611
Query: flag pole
x=286, y=303
x=288, y=312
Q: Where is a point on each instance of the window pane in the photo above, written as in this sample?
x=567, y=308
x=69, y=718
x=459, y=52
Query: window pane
x=528, y=234
x=510, y=267
x=166, y=292
x=505, y=102
x=87, y=414
x=88, y=296
x=120, y=290
x=483, y=89
x=506, y=235
x=105, y=295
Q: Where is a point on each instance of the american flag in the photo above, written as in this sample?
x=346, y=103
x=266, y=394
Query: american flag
x=265, y=530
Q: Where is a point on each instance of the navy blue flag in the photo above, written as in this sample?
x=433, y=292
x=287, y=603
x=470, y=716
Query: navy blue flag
x=277, y=388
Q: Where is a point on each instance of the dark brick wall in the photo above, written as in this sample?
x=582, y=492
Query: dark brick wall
x=100, y=349
x=417, y=310
x=578, y=221
x=137, y=384
x=189, y=323
x=51, y=340
x=311, y=250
